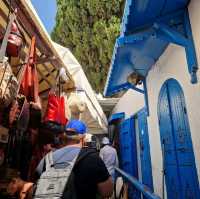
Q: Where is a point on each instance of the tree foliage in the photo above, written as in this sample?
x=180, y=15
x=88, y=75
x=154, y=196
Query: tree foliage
x=89, y=29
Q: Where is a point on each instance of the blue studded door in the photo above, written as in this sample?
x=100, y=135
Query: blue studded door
x=145, y=156
x=128, y=152
x=179, y=162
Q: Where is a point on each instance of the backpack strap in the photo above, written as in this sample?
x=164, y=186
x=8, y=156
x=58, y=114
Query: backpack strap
x=49, y=161
x=72, y=163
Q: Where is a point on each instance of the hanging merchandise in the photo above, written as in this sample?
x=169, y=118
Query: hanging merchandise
x=76, y=105
x=67, y=110
x=28, y=91
x=55, y=117
x=8, y=82
x=55, y=109
x=19, y=113
x=29, y=85
x=19, y=117
x=15, y=41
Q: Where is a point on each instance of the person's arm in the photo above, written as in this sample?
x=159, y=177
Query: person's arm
x=101, y=154
x=117, y=160
x=106, y=188
x=102, y=176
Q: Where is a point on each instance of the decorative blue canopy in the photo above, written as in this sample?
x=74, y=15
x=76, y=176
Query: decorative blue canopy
x=139, y=14
x=148, y=26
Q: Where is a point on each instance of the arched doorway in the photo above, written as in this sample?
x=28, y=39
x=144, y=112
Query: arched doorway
x=179, y=163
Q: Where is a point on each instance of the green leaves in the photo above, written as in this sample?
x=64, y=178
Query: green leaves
x=89, y=28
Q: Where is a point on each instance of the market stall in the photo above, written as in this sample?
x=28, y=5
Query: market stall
x=33, y=78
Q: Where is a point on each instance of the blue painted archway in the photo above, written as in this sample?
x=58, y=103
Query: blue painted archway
x=179, y=162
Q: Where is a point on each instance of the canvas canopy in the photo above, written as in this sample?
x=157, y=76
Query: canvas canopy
x=93, y=114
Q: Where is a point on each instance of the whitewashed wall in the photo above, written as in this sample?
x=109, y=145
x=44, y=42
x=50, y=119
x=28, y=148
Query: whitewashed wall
x=172, y=64
x=130, y=103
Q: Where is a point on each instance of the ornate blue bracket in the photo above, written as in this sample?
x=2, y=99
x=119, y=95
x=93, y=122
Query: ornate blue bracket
x=182, y=37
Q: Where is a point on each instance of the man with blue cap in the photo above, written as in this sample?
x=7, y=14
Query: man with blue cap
x=90, y=173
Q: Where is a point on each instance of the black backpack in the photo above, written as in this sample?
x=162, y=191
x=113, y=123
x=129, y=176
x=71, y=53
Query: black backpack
x=70, y=190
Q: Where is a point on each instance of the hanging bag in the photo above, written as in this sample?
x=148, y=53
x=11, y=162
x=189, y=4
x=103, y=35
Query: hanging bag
x=15, y=41
x=15, y=37
x=29, y=84
x=55, y=117
x=27, y=91
x=8, y=82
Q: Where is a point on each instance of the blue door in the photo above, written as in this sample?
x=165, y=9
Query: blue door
x=179, y=163
x=128, y=152
x=145, y=157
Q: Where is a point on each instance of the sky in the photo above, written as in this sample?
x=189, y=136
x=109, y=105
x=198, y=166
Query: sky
x=46, y=10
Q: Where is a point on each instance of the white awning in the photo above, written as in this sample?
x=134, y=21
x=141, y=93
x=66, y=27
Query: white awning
x=94, y=116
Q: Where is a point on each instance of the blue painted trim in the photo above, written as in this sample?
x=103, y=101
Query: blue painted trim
x=146, y=191
x=142, y=110
x=125, y=16
x=131, y=39
x=146, y=100
x=145, y=154
x=116, y=116
x=122, y=87
x=186, y=40
x=190, y=50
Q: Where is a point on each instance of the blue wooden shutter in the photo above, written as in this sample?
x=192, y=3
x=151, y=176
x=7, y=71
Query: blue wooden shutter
x=145, y=157
x=128, y=151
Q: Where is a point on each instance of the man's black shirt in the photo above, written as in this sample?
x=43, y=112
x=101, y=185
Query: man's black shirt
x=88, y=172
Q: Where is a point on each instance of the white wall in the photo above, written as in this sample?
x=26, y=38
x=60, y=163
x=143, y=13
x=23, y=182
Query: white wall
x=130, y=103
x=172, y=64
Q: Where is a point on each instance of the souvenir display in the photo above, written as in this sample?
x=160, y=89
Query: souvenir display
x=76, y=105
x=55, y=109
x=24, y=137
x=15, y=41
x=8, y=84
x=29, y=83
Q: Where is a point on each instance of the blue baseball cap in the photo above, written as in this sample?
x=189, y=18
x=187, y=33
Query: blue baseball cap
x=77, y=126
